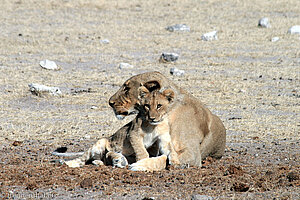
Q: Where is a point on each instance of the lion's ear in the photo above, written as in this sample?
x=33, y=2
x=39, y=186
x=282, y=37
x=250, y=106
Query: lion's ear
x=169, y=94
x=152, y=85
x=142, y=92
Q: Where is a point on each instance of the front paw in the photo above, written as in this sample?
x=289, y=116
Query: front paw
x=97, y=162
x=150, y=164
x=74, y=163
x=118, y=160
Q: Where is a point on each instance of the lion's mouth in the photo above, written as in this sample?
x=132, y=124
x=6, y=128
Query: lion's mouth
x=122, y=115
x=154, y=123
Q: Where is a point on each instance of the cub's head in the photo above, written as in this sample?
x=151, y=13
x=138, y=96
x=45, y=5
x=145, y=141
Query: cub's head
x=127, y=99
x=156, y=105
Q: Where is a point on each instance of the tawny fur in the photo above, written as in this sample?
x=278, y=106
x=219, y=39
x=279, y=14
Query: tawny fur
x=195, y=132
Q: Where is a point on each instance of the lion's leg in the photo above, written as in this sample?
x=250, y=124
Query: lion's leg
x=167, y=148
x=137, y=143
x=150, y=164
x=94, y=153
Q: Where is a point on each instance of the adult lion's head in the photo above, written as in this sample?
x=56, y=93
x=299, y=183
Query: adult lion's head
x=127, y=99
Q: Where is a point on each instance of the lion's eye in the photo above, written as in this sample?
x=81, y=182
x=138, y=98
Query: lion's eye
x=126, y=88
x=159, y=106
x=147, y=106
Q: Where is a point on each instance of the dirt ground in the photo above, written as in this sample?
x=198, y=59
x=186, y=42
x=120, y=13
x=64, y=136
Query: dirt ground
x=251, y=83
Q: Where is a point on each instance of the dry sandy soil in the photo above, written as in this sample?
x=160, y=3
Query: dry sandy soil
x=251, y=83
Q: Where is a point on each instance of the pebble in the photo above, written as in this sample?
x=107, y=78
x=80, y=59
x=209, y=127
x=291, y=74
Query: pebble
x=264, y=23
x=294, y=29
x=210, y=36
x=201, y=197
x=176, y=72
x=168, y=57
x=48, y=64
x=94, y=107
x=38, y=89
x=86, y=183
x=104, y=41
x=125, y=66
x=274, y=39
x=178, y=28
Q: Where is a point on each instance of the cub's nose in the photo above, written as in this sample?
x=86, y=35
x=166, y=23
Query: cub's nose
x=151, y=118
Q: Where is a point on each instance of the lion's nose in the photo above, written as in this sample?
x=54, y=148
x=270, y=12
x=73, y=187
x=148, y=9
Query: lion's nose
x=111, y=103
x=151, y=118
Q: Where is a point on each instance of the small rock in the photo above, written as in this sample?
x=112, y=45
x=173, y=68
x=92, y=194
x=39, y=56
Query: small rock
x=274, y=39
x=86, y=183
x=48, y=64
x=125, y=66
x=240, y=187
x=104, y=41
x=61, y=149
x=17, y=143
x=176, y=72
x=292, y=176
x=201, y=197
x=38, y=89
x=294, y=29
x=264, y=23
x=178, y=28
x=94, y=107
x=168, y=57
x=210, y=36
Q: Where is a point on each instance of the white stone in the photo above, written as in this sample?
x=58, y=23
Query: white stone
x=168, y=57
x=274, y=39
x=104, y=41
x=264, y=22
x=176, y=72
x=94, y=107
x=210, y=36
x=178, y=28
x=125, y=66
x=294, y=29
x=38, y=89
x=48, y=64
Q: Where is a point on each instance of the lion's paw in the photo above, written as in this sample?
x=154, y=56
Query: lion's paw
x=137, y=167
x=97, y=162
x=150, y=164
x=118, y=159
x=73, y=163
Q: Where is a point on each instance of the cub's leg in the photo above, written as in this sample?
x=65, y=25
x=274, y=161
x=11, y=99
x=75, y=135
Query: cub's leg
x=167, y=148
x=150, y=164
x=94, y=153
x=137, y=143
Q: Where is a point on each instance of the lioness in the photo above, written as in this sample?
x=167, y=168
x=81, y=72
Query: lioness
x=195, y=132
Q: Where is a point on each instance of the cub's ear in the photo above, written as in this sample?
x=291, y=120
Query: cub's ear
x=142, y=92
x=169, y=94
x=152, y=85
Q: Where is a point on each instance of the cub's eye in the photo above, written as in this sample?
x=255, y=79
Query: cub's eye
x=147, y=106
x=159, y=106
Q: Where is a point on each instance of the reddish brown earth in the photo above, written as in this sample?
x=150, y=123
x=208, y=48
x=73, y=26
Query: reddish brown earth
x=250, y=171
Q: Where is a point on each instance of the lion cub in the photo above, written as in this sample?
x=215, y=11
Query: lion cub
x=147, y=134
x=154, y=125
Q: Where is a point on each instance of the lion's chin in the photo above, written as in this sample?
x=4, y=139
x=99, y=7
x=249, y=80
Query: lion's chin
x=120, y=117
x=154, y=123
